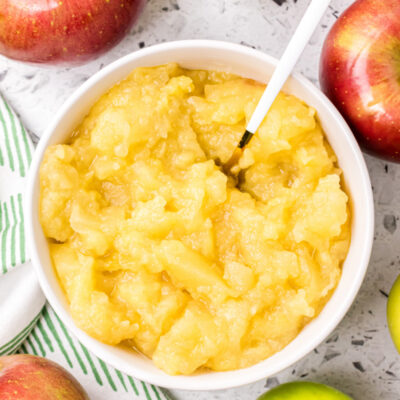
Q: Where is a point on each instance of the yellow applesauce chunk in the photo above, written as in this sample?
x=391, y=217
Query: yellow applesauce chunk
x=159, y=251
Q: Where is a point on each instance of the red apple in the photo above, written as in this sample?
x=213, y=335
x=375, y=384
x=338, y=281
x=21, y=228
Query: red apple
x=26, y=377
x=360, y=73
x=63, y=31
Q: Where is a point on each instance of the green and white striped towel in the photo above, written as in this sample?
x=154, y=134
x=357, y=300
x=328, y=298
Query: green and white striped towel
x=20, y=296
x=27, y=325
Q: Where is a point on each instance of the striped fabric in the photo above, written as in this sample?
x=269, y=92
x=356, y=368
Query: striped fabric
x=14, y=344
x=15, y=146
x=51, y=339
x=12, y=234
x=15, y=156
x=36, y=329
x=17, y=296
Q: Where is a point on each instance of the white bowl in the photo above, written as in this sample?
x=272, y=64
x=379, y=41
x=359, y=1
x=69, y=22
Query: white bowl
x=205, y=54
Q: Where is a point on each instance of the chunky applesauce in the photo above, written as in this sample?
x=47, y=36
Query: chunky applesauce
x=158, y=250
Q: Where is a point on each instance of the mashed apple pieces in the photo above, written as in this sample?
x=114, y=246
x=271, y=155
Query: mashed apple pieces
x=156, y=249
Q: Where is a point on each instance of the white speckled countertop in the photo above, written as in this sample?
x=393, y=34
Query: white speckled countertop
x=359, y=356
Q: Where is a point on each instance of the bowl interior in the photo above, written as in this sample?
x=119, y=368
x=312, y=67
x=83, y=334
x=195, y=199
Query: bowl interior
x=248, y=63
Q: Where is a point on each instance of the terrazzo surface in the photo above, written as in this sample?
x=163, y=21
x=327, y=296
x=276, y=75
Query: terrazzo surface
x=358, y=357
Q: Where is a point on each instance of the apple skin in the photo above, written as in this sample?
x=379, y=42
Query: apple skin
x=393, y=313
x=63, y=31
x=304, y=391
x=26, y=377
x=360, y=73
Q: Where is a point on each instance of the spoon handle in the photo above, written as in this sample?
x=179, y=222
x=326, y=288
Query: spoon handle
x=301, y=37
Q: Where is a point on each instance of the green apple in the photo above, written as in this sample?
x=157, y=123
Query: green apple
x=393, y=313
x=304, y=391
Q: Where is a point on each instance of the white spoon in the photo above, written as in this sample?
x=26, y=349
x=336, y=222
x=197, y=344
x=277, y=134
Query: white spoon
x=301, y=37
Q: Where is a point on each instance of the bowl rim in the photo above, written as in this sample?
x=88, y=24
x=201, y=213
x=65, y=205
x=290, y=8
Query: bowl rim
x=242, y=376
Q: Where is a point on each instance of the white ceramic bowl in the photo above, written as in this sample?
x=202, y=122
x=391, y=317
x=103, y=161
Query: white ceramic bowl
x=204, y=54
